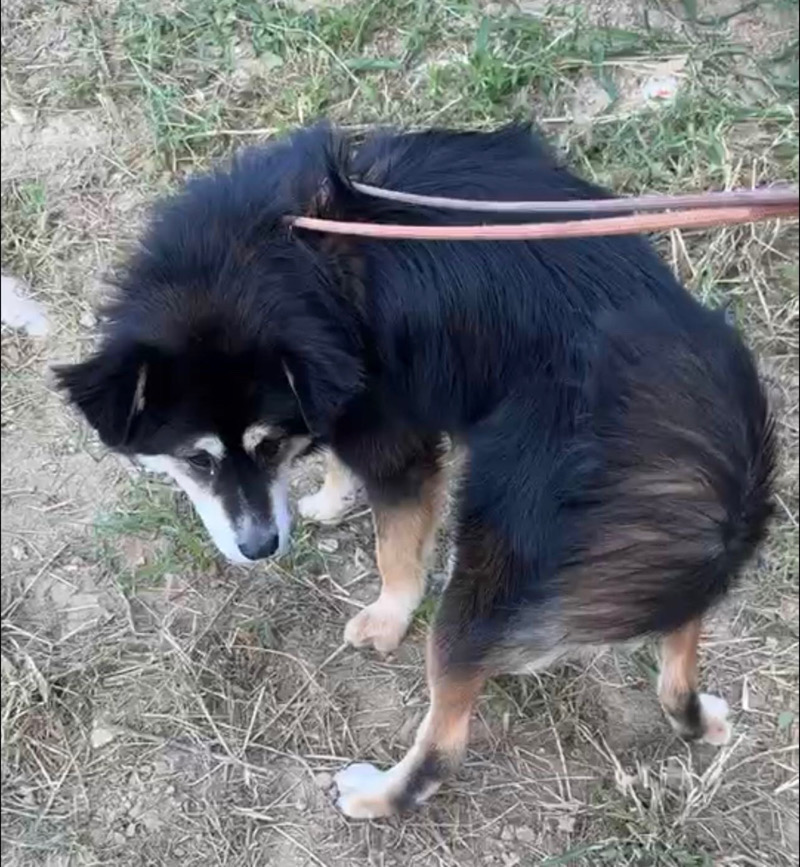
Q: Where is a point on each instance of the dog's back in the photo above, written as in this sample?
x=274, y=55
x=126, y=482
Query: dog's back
x=642, y=444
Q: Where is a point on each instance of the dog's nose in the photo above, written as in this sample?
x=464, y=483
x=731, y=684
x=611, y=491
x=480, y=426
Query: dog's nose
x=259, y=543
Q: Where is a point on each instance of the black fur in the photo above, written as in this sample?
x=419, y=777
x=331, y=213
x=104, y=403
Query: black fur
x=620, y=446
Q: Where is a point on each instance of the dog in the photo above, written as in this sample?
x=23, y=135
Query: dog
x=619, y=449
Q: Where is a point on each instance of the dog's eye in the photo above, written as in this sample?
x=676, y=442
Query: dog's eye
x=201, y=461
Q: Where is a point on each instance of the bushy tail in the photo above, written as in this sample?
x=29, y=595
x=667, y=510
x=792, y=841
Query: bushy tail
x=682, y=489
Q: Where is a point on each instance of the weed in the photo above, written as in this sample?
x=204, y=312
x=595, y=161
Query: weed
x=174, y=538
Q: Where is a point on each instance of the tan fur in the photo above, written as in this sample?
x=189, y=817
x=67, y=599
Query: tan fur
x=640, y=525
x=679, y=665
x=677, y=689
x=340, y=491
x=404, y=537
x=448, y=719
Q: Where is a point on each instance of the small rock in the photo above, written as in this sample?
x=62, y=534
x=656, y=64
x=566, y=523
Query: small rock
x=134, y=552
x=525, y=834
x=323, y=780
x=507, y=834
x=590, y=100
x=88, y=319
x=674, y=775
x=18, y=552
x=328, y=546
x=131, y=829
x=20, y=116
x=101, y=736
x=566, y=824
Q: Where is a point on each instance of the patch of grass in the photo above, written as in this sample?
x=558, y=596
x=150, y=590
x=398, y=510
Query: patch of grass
x=212, y=69
x=689, y=144
x=304, y=556
x=26, y=229
x=175, y=539
x=423, y=616
x=629, y=852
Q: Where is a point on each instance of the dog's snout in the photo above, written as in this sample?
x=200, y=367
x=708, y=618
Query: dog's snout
x=259, y=542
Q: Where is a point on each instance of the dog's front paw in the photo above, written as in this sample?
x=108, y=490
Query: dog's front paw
x=363, y=792
x=326, y=506
x=382, y=624
x=714, y=712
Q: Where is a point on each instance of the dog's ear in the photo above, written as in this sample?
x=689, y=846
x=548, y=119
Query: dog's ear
x=321, y=390
x=109, y=389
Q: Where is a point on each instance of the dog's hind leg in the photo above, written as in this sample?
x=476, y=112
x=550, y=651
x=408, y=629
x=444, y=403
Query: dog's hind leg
x=340, y=491
x=692, y=714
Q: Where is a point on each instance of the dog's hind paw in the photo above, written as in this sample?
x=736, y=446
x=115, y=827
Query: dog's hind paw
x=713, y=713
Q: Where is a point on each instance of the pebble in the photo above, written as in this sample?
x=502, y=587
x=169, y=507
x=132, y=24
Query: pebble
x=101, y=736
x=525, y=834
x=323, y=780
x=328, y=546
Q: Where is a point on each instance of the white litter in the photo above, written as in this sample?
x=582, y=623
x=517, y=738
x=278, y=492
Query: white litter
x=660, y=89
x=21, y=312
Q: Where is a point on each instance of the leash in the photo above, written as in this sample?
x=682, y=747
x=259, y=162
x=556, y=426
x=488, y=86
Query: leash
x=693, y=211
x=726, y=198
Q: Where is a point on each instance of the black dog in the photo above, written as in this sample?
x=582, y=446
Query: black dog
x=619, y=449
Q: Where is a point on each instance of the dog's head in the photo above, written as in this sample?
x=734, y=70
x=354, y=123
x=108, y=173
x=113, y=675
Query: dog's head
x=224, y=428
x=226, y=352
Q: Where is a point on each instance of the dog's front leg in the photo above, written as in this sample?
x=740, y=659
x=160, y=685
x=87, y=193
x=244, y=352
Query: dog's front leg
x=405, y=532
x=340, y=491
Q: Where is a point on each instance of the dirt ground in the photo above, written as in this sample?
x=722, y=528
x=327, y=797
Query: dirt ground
x=162, y=708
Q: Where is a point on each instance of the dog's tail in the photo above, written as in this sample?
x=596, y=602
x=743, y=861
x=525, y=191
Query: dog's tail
x=681, y=492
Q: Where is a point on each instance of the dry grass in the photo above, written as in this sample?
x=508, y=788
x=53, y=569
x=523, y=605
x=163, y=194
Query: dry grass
x=162, y=708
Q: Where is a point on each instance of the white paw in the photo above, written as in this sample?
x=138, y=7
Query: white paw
x=713, y=712
x=324, y=506
x=382, y=624
x=363, y=791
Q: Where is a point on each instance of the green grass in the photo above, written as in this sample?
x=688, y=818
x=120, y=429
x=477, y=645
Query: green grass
x=208, y=72
x=26, y=230
x=176, y=539
x=208, y=66
x=614, y=852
